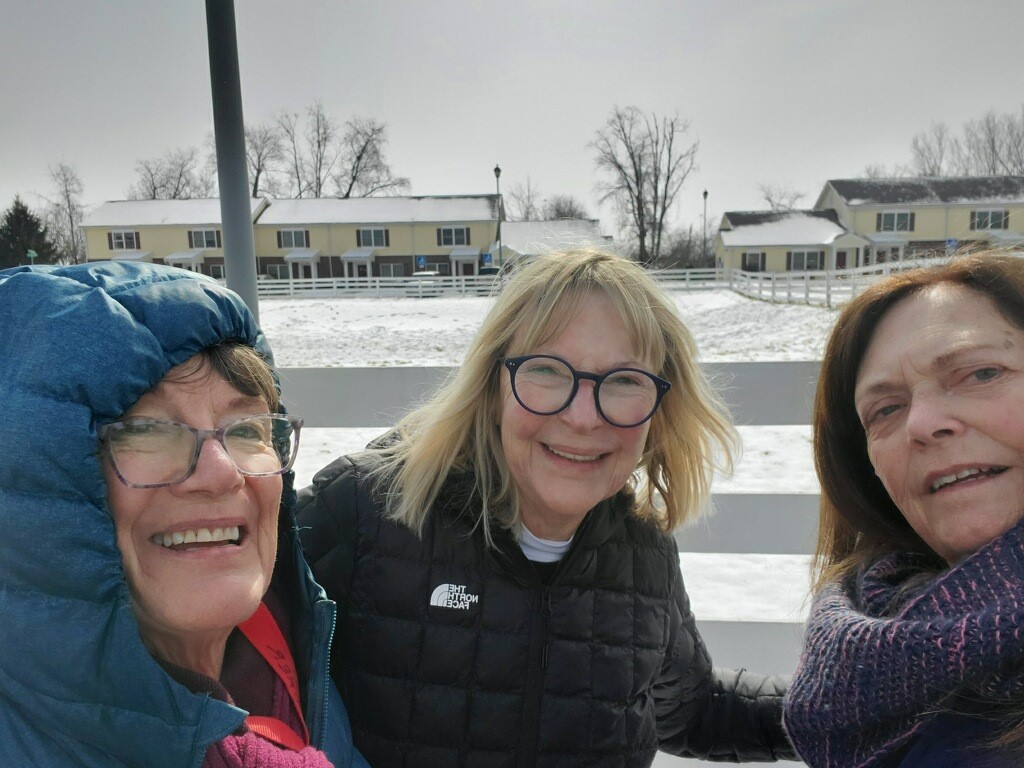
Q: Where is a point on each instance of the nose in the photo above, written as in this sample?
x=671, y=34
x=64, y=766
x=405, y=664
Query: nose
x=215, y=472
x=931, y=416
x=582, y=414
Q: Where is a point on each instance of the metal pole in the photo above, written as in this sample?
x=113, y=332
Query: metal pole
x=497, y=184
x=229, y=135
x=704, y=242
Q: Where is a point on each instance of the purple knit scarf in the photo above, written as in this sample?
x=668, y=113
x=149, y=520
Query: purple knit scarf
x=871, y=677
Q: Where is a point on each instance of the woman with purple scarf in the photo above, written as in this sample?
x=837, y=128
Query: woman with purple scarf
x=915, y=649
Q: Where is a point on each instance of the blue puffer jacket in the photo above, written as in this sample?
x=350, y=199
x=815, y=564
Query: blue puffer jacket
x=78, y=346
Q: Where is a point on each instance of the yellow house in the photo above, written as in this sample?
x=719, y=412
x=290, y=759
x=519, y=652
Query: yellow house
x=377, y=236
x=868, y=221
x=922, y=216
x=777, y=241
x=182, y=233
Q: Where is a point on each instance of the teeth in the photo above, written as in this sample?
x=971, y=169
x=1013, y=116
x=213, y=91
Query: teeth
x=193, y=536
x=945, y=480
x=573, y=456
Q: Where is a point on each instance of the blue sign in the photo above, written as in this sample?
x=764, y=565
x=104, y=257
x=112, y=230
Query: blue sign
x=421, y=262
x=486, y=258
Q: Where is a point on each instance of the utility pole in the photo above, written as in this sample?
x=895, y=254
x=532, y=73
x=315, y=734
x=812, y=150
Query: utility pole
x=704, y=239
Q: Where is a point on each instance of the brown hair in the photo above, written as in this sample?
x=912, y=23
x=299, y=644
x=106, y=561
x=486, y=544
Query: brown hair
x=239, y=365
x=858, y=520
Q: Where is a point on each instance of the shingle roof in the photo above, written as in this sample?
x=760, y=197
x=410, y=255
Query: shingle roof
x=765, y=228
x=747, y=218
x=381, y=210
x=930, y=190
x=144, y=213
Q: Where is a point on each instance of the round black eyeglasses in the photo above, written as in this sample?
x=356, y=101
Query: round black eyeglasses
x=152, y=453
x=545, y=385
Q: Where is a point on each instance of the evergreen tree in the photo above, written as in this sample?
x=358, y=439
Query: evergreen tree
x=21, y=231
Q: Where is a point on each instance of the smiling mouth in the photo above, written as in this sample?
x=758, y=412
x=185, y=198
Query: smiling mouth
x=198, y=537
x=581, y=458
x=964, y=475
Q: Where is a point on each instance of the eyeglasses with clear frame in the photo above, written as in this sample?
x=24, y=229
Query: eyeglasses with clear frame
x=153, y=453
x=545, y=385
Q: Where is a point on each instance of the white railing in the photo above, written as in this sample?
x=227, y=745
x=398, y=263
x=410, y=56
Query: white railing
x=828, y=288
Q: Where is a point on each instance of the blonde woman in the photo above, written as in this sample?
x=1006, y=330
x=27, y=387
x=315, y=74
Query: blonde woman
x=509, y=592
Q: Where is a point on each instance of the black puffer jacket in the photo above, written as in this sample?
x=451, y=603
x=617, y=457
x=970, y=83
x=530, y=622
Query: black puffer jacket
x=451, y=653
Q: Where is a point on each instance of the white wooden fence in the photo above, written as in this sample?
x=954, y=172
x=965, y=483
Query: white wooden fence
x=819, y=287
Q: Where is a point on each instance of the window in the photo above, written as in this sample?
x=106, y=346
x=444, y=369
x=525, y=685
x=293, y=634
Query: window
x=277, y=271
x=293, y=238
x=803, y=261
x=894, y=221
x=753, y=262
x=123, y=240
x=990, y=219
x=392, y=270
x=377, y=238
x=453, y=235
x=217, y=271
x=204, y=238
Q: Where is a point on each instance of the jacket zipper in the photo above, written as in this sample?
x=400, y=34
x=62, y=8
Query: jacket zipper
x=535, y=681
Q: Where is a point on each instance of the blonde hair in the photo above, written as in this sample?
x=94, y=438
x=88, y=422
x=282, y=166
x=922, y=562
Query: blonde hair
x=690, y=436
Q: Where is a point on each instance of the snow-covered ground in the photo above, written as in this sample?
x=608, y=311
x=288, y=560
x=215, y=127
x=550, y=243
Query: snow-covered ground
x=728, y=327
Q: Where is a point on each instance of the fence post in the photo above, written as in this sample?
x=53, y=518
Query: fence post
x=828, y=289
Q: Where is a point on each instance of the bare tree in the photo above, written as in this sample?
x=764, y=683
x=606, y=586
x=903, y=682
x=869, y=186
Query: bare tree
x=63, y=214
x=264, y=154
x=563, y=207
x=174, y=176
x=321, y=132
x=645, y=166
x=932, y=151
x=295, y=162
x=363, y=168
x=881, y=171
x=523, y=201
x=779, y=197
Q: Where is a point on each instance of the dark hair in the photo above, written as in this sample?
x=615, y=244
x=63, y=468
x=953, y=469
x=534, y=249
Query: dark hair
x=239, y=365
x=858, y=520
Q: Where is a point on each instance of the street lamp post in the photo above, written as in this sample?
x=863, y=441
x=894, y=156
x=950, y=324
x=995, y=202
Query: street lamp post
x=497, y=184
x=704, y=240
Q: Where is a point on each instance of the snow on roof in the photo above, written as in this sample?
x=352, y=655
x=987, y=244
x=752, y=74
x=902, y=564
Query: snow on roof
x=925, y=191
x=531, y=238
x=381, y=210
x=780, y=228
x=149, y=213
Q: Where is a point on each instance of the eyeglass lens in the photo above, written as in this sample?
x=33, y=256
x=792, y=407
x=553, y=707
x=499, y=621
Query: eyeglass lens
x=150, y=452
x=625, y=397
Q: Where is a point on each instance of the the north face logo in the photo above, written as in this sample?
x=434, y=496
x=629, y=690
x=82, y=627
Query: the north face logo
x=453, y=596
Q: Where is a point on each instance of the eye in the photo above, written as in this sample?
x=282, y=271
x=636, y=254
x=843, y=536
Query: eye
x=986, y=374
x=881, y=412
x=625, y=379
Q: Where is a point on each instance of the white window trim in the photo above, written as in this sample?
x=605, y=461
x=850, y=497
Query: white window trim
x=124, y=235
x=450, y=231
x=819, y=255
x=293, y=233
x=202, y=233
x=388, y=269
x=373, y=231
x=895, y=220
x=988, y=212
x=274, y=271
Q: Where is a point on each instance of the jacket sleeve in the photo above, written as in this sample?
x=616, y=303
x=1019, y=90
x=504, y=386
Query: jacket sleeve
x=327, y=516
x=715, y=714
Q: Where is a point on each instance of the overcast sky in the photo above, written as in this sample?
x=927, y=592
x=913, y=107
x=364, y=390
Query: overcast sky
x=786, y=92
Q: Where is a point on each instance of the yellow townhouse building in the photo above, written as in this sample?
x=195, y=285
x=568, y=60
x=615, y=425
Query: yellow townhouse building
x=377, y=236
x=857, y=222
x=325, y=237
x=182, y=233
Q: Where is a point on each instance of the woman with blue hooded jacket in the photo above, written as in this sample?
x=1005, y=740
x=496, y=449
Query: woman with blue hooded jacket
x=157, y=609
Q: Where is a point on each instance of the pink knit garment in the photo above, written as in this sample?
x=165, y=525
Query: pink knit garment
x=250, y=751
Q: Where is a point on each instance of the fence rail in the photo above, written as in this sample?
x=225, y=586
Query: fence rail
x=821, y=287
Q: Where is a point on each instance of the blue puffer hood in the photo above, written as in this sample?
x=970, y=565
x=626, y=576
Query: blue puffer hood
x=78, y=346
